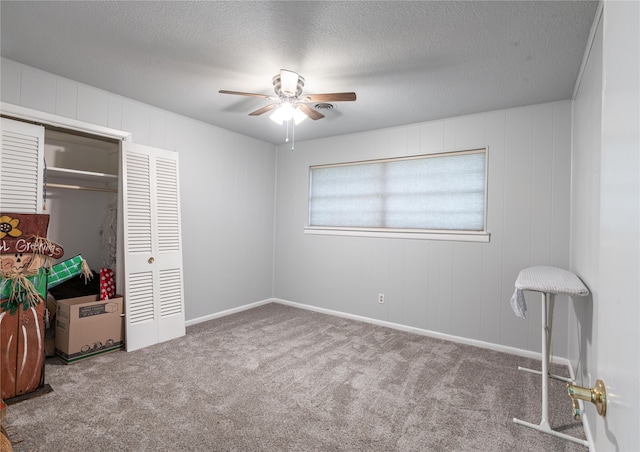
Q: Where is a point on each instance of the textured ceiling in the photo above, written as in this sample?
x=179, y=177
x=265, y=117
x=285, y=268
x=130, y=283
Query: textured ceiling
x=407, y=61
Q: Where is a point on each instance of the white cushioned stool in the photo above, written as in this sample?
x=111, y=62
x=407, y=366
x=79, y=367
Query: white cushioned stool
x=549, y=281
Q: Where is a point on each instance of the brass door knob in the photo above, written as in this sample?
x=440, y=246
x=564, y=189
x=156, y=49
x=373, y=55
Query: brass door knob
x=596, y=395
x=151, y=260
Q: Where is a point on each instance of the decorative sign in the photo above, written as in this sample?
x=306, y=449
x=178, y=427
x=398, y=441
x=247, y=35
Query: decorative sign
x=22, y=235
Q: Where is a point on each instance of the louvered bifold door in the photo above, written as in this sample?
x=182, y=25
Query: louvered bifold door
x=169, y=246
x=21, y=167
x=153, y=248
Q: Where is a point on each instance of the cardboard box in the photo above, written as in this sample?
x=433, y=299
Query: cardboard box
x=88, y=326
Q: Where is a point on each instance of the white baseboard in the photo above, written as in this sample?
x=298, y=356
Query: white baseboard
x=423, y=332
x=217, y=315
x=395, y=326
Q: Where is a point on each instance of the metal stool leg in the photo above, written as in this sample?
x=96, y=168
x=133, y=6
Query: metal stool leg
x=548, y=301
x=547, y=318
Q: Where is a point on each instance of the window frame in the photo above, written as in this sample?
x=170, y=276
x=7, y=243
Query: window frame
x=481, y=235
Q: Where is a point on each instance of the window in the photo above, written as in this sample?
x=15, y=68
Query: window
x=421, y=196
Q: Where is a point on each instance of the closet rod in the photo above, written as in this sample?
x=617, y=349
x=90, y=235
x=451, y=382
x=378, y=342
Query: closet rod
x=80, y=187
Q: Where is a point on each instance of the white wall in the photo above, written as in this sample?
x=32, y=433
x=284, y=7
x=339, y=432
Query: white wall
x=457, y=288
x=227, y=190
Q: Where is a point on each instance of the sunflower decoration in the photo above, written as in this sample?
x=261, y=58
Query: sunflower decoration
x=9, y=227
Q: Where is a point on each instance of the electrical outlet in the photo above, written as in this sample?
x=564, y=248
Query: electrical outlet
x=381, y=298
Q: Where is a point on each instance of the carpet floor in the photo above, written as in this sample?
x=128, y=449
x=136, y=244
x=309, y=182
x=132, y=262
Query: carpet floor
x=279, y=378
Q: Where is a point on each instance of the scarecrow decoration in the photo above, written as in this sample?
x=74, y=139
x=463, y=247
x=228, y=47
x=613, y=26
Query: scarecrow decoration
x=25, y=260
x=25, y=253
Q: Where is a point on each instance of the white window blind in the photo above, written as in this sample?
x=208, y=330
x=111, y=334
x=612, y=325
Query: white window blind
x=436, y=192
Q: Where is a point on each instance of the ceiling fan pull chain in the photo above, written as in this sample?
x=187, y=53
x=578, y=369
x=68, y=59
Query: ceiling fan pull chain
x=287, y=140
x=293, y=134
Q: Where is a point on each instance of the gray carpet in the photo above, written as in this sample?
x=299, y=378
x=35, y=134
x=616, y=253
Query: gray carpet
x=282, y=378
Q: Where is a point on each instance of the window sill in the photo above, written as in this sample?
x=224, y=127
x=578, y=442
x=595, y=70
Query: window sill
x=465, y=236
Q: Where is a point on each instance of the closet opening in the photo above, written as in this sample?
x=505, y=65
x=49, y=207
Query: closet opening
x=80, y=193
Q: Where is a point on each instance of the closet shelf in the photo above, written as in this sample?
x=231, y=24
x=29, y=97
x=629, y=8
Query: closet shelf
x=67, y=173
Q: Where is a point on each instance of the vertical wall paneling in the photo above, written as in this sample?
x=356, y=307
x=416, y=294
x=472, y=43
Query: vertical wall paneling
x=395, y=294
x=413, y=139
x=415, y=310
x=518, y=189
x=541, y=211
x=10, y=81
x=157, y=127
x=38, y=90
x=449, y=134
x=66, y=98
x=375, y=277
x=466, y=289
x=470, y=132
x=444, y=254
x=229, y=225
x=135, y=119
x=399, y=140
x=431, y=138
x=114, y=115
x=493, y=296
x=93, y=105
x=285, y=229
x=341, y=278
x=542, y=197
x=261, y=218
x=433, y=288
x=561, y=214
x=318, y=268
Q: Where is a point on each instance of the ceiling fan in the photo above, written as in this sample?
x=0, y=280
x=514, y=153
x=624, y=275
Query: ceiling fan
x=289, y=101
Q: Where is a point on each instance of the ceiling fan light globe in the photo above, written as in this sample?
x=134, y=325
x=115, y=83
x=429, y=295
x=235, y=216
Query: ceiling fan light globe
x=298, y=116
x=276, y=117
x=286, y=110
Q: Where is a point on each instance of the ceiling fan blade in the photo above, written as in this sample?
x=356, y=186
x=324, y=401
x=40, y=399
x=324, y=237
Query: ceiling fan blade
x=330, y=97
x=264, y=109
x=239, y=93
x=310, y=112
x=288, y=82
